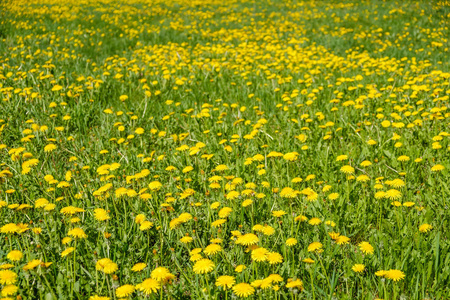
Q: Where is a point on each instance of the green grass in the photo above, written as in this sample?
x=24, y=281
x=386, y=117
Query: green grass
x=246, y=79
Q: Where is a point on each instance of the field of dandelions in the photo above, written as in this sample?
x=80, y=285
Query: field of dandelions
x=206, y=149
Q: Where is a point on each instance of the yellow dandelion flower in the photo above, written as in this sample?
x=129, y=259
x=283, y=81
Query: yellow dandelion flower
x=138, y=267
x=14, y=255
x=125, y=290
x=67, y=251
x=212, y=249
x=247, y=239
x=424, y=228
x=437, y=168
x=260, y=254
x=291, y=242
x=274, y=258
x=149, y=286
x=366, y=248
x=358, y=268
x=394, y=275
x=203, y=266
x=342, y=240
x=7, y=277
x=225, y=281
x=315, y=246
x=243, y=290
x=162, y=274
x=77, y=233
x=347, y=170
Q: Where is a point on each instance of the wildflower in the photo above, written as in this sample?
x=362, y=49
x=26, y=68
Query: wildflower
x=162, y=274
x=288, y=192
x=333, y=196
x=203, y=266
x=215, y=205
x=365, y=163
x=225, y=212
x=291, y=156
x=393, y=194
x=106, y=265
x=347, y=169
x=221, y=168
x=396, y=183
x=259, y=254
x=274, y=258
x=362, y=178
x=225, y=281
x=296, y=180
x=396, y=203
x=315, y=246
x=342, y=240
x=380, y=194
x=31, y=265
x=66, y=240
x=195, y=251
x=315, y=221
x=218, y=222
x=9, y=290
x=394, y=275
x=155, y=185
x=265, y=283
x=212, y=249
x=6, y=266
x=243, y=290
x=41, y=202
x=308, y=260
x=216, y=241
x=291, y=242
x=145, y=225
x=232, y=195
x=275, y=278
x=278, y=213
x=366, y=248
x=195, y=257
x=268, y=230
x=247, y=202
x=71, y=210
x=125, y=290
x=138, y=267
x=50, y=147
x=341, y=157
x=77, y=233
x=300, y=218
x=186, y=239
x=149, y=286
x=424, y=228
x=292, y=284
x=247, y=239
x=67, y=251
x=14, y=255
x=139, y=219
x=101, y=215
x=358, y=268
x=437, y=168
x=240, y=268
x=7, y=277
x=9, y=228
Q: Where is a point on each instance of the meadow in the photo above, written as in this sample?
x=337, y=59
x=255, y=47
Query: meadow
x=228, y=149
